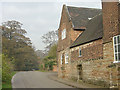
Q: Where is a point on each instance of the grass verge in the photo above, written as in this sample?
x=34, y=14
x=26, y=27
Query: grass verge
x=8, y=84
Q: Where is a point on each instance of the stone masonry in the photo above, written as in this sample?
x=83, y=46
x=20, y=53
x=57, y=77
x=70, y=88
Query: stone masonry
x=95, y=65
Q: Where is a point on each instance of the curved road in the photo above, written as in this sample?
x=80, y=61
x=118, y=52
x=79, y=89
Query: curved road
x=35, y=79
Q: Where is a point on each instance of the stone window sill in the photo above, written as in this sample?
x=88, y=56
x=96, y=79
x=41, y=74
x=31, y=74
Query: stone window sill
x=66, y=63
x=79, y=56
x=116, y=62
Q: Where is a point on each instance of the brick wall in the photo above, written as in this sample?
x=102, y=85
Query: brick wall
x=63, y=45
x=55, y=68
x=90, y=51
x=98, y=56
x=111, y=28
x=71, y=34
x=64, y=24
x=110, y=20
x=74, y=34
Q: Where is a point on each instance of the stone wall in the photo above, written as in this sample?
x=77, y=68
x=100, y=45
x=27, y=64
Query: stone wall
x=63, y=69
x=95, y=70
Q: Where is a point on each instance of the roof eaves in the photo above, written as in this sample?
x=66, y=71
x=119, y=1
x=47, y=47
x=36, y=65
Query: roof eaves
x=85, y=42
x=78, y=29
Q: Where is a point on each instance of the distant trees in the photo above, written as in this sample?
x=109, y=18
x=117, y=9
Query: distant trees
x=51, y=58
x=16, y=45
x=50, y=39
x=53, y=51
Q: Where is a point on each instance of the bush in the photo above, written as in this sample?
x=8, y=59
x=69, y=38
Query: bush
x=41, y=67
x=6, y=69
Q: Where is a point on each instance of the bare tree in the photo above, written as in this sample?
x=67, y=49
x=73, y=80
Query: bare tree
x=50, y=39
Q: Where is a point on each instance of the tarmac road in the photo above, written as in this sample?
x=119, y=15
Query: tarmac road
x=35, y=79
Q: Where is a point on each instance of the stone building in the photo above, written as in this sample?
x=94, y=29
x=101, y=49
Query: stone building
x=88, y=45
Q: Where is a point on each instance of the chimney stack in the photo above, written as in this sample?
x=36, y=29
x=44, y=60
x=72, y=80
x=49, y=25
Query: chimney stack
x=110, y=9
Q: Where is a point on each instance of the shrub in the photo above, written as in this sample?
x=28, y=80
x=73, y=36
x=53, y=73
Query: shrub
x=6, y=69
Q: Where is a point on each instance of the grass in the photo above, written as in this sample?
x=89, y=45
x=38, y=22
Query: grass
x=8, y=84
x=42, y=70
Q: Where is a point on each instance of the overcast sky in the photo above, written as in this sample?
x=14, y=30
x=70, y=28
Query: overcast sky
x=39, y=17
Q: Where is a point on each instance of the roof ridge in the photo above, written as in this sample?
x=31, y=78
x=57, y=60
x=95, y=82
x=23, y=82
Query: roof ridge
x=69, y=15
x=95, y=16
x=84, y=7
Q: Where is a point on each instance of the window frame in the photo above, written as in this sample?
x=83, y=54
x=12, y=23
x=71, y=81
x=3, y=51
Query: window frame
x=63, y=34
x=66, y=58
x=116, y=46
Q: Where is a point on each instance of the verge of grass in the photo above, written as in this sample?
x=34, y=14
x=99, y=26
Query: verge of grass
x=8, y=84
x=42, y=70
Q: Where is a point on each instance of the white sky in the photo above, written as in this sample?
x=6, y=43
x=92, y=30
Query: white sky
x=39, y=17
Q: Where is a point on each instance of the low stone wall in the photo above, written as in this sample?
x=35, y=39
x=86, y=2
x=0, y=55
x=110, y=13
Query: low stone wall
x=98, y=72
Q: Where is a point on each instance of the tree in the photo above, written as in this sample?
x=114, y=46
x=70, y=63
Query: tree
x=16, y=45
x=50, y=39
x=50, y=59
x=12, y=30
x=41, y=54
x=53, y=51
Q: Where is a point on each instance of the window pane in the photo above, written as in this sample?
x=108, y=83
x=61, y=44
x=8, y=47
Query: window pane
x=66, y=58
x=118, y=48
x=64, y=34
x=115, y=49
x=118, y=38
x=79, y=52
x=114, y=40
x=118, y=56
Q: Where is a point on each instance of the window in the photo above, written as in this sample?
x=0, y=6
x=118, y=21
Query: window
x=116, y=45
x=64, y=34
x=80, y=54
x=66, y=58
x=61, y=58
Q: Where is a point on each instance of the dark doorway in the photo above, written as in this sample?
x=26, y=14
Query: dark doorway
x=79, y=68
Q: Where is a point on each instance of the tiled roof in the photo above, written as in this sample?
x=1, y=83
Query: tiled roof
x=93, y=32
x=80, y=16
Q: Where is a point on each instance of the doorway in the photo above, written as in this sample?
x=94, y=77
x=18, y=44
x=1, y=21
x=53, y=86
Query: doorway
x=79, y=69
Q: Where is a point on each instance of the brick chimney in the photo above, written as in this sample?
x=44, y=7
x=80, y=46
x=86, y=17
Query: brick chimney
x=111, y=28
x=110, y=10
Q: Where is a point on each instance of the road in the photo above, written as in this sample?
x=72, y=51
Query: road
x=35, y=79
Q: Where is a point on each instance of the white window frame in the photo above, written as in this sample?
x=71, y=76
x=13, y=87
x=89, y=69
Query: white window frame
x=66, y=58
x=80, y=54
x=115, y=47
x=61, y=57
x=63, y=34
